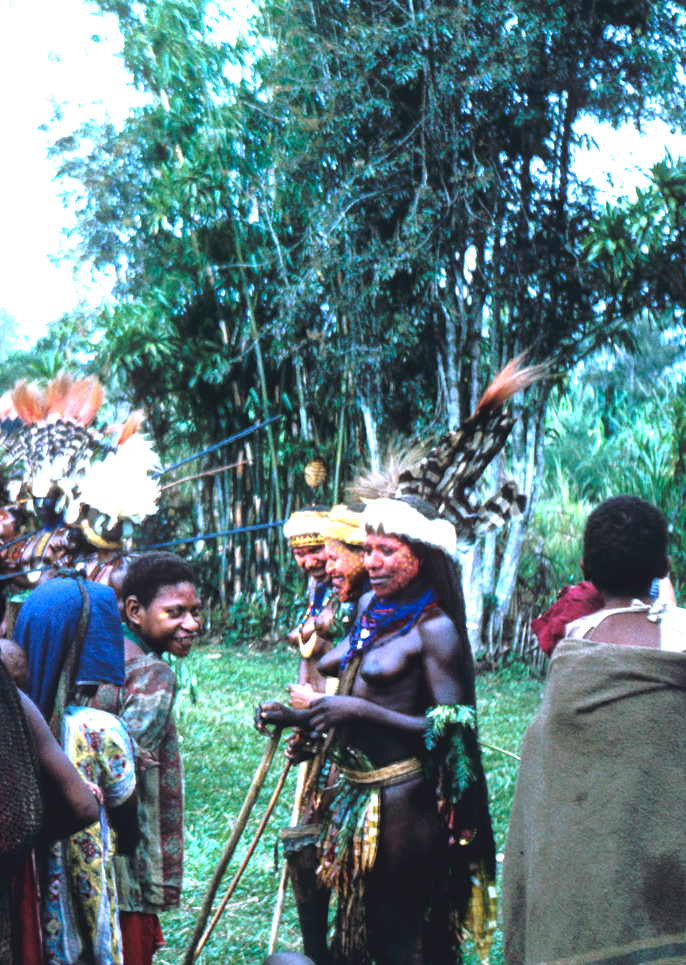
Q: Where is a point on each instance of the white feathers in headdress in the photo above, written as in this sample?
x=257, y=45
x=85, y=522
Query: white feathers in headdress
x=121, y=486
x=58, y=465
x=394, y=516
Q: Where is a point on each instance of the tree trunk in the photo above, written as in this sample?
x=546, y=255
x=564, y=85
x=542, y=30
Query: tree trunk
x=371, y=430
x=527, y=446
x=471, y=564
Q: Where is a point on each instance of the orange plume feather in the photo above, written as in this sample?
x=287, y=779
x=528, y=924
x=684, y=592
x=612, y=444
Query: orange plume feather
x=131, y=426
x=29, y=403
x=73, y=400
x=509, y=380
x=83, y=401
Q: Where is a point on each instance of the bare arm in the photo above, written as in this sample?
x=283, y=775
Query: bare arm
x=439, y=655
x=65, y=790
x=330, y=663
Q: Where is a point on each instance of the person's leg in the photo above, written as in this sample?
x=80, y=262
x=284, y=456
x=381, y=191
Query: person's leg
x=399, y=886
x=311, y=899
x=141, y=937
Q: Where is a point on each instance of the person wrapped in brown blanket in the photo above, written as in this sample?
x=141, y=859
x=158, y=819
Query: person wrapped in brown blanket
x=595, y=864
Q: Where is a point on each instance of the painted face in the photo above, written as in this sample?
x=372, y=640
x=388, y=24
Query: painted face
x=345, y=566
x=170, y=623
x=311, y=557
x=391, y=564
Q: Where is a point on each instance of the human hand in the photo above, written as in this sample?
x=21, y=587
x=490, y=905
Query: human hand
x=270, y=712
x=278, y=716
x=301, y=695
x=330, y=711
x=301, y=747
x=96, y=791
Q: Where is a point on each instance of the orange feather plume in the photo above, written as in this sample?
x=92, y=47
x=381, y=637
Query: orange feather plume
x=73, y=400
x=56, y=395
x=66, y=398
x=82, y=402
x=131, y=426
x=509, y=380
x=29, y=403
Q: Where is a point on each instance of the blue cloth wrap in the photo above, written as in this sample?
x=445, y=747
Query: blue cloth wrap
x=46, y=625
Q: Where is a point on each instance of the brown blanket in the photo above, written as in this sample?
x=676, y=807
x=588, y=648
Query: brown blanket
x=595, y=864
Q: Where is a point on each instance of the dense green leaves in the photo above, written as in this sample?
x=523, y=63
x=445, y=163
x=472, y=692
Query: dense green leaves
x=359, y=217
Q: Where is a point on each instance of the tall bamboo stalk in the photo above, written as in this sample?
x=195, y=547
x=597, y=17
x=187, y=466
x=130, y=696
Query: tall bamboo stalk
x=264, y=393
x=339, y=447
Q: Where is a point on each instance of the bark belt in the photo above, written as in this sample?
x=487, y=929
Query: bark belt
x=386, y=776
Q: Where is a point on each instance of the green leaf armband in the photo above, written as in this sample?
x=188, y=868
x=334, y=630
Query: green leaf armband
x=450, y=738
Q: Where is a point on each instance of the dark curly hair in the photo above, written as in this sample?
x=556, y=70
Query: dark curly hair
x=625, y=546
x=147, y=574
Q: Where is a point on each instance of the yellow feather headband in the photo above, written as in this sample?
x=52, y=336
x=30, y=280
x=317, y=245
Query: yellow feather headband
x=344, y=524
x=305, y=526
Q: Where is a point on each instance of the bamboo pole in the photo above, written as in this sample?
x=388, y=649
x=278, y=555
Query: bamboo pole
x=339, y=449
x=241, y=821
x=199, y=475
x=244, y=863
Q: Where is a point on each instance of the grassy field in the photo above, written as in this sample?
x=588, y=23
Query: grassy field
x=221, y=751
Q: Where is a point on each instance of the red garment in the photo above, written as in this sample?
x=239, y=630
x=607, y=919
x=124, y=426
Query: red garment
x=27, y=940
x=141, y=936
x=572, y=603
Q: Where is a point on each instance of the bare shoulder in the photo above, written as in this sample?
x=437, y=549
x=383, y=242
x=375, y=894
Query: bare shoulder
x=364, y=601
x=439, y=635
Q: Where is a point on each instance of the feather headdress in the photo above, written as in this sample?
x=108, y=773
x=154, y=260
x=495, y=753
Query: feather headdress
x=60, y=466
x=427, y=496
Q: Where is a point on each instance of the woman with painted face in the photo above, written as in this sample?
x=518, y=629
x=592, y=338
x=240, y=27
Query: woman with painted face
x=405, y=724
x=347, y=576
x=407, y=845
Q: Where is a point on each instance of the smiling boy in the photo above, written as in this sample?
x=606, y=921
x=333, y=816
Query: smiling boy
x=162, y=615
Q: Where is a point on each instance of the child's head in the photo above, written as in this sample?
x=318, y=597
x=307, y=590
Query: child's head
x=161, y=602
x=16, y=662
x=625, y=546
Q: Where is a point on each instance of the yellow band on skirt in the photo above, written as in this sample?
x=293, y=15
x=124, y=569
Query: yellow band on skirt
x=386, y=776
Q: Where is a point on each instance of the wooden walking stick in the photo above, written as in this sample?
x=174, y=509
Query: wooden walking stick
x=241, y=821
x=244, y=864
x=281, y=893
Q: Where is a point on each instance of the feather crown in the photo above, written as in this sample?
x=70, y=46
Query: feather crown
x=60, y=465
x=423, y=493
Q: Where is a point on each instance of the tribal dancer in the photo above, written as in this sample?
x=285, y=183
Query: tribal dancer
x=407, y=845
x=73, y=492
x=343, y=535
x=304, y=531
x=343, y=538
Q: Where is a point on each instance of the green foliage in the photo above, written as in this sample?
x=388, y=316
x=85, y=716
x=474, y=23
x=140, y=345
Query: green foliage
x=357, y=220
x=638, y=246
x=619, y=428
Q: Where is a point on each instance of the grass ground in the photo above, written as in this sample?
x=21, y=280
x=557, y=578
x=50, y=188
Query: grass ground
x=221, y=751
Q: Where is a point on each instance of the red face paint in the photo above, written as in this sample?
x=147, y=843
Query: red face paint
x=391, y=564
x=345, y=566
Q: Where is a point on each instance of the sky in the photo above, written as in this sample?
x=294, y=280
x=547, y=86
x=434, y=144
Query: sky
x=47, y=56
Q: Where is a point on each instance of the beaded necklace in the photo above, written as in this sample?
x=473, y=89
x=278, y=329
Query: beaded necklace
x=384, y=615
x=320, y=597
